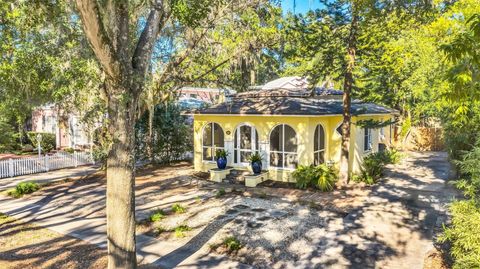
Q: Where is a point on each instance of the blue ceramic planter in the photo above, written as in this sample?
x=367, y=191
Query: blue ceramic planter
x=221, y=162
x=257, y=167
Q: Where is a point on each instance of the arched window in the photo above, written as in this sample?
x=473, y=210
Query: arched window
x=283, y=147
x=245, y=143
x=212, y=140
x=319, y=146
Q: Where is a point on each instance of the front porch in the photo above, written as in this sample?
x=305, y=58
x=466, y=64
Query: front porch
x=238, y=176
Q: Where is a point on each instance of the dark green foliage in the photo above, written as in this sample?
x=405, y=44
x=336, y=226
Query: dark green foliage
x=24, y=188
x=374, y=163
x=374, y=124
x=322, y=177
x=232, y=244
x=221, y=153
x=255, y=157
x=220, y=193
x=463, y=234
x=69, y=150
x=8, y=141
x=48, y=142
x=172, y=137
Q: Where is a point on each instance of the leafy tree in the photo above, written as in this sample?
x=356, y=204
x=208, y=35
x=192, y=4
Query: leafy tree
x=171, y=136
x=124, y=36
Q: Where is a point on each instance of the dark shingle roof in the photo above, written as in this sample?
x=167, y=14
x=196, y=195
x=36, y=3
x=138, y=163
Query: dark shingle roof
x=287, y=105
x=298, y=92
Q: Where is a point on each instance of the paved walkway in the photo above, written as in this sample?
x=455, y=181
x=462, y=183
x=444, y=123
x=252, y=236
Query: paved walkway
x=391, y=225
x=52, y=176
x=78, y=210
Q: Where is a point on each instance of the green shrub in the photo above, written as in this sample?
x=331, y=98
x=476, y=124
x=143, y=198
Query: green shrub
x=220, y=193
x=24, y=188
x=221, y=153
x=322, y=177
x=373, y=165
x=255, y=157
x=463, y=234
x=172, y=136
x=178, y=208
x=8, y=139
x=232, y=244
x=180, y=231
x=392, y=156
x=69, y=150
x=157, y=216
x=48, y=142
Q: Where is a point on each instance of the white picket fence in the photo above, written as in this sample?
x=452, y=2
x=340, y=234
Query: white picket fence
x=31, y=165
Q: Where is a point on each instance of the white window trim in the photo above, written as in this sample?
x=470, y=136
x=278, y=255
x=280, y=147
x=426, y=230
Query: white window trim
x=324, y=142
x=368, y=134
x=213, y=143
x=281, y=152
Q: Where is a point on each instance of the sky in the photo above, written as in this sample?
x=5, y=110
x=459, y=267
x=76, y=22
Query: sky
x=301, y=6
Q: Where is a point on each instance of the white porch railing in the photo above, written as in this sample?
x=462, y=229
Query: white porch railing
x=31, y=165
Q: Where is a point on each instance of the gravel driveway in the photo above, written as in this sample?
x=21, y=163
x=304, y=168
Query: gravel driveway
x=390, y=225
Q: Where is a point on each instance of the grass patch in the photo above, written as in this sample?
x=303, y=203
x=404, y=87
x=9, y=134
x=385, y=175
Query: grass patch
x=181, y=231
x=178, y=209
x=23, y=188
x=229, y=245
x=220, y=193
x=232, y=244
x=156, y=216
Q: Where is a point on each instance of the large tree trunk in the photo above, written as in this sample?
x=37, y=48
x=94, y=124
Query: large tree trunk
x=121, y=179
x=347, y=89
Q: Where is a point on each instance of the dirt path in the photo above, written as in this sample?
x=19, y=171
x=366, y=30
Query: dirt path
x=391, y=225
x=402, y=215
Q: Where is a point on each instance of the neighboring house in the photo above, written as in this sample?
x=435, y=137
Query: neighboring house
x=69, y=131
x=208, y=95
x=288, y=126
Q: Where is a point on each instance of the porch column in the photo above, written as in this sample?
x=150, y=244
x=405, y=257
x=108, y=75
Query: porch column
x=229, y=149
x=264, y=149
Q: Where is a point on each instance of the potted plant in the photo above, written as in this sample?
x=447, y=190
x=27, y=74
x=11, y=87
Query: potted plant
x=256, y=162
x=221, y=156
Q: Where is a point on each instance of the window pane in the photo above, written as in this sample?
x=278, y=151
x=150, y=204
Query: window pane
x=246, y=137
x=290, y=139
x=319, y=141
x=276, y=159
x=235, y=157
x=218, y=135
x=244, y=156
x=208, y=154
x=365, y=139
x=207, y=135
x=256, y=140
x=275, y=142
x=291, y=160
x=322, y=137
x=235, y=145
x=319, y=158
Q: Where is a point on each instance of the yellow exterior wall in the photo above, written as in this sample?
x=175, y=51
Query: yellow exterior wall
x=304, y=127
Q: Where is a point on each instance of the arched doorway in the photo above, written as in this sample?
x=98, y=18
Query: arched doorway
x=245, y=142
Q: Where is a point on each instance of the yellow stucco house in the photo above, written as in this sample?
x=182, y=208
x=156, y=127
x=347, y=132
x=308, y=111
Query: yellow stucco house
x=288, y=125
